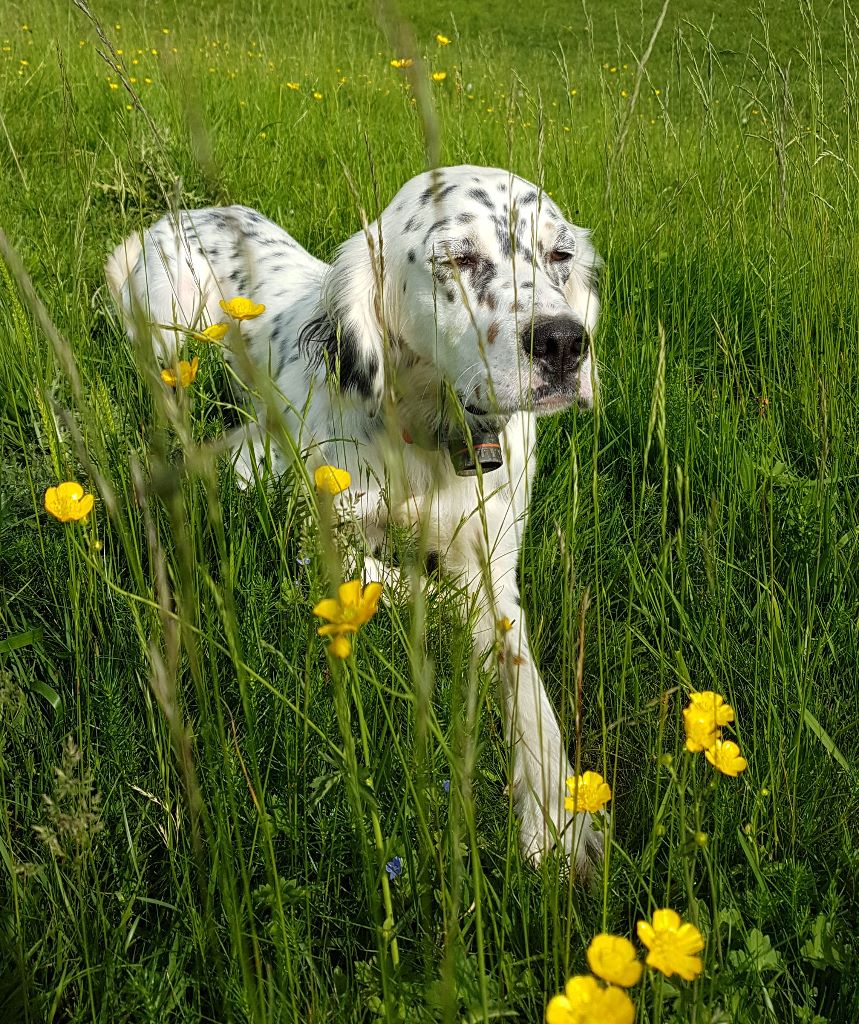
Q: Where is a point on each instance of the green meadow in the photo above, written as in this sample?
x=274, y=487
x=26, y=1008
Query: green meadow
x=198, y=803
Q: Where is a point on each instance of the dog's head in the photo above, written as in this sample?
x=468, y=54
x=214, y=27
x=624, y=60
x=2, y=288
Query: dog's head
x=477, y=274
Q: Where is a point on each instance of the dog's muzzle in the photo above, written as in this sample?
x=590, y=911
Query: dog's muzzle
x=557, y=344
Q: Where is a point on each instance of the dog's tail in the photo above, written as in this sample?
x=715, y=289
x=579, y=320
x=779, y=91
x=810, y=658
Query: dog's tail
x=117, y=271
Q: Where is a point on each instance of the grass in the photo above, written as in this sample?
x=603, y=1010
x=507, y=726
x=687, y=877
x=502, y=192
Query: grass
x=190, y=794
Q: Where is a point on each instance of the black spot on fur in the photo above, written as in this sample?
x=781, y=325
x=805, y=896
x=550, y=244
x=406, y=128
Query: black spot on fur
x=502, y=235
x=411, y=255
x=437, y=226
x=325, y=343
x=464, y=218
x=523, y=237
x=481, y=196
x=527, y=199
x=278, y=347
x=502, y=186
x=412, y=223
x=446, y=191
x=429, y=192
x=482, y=277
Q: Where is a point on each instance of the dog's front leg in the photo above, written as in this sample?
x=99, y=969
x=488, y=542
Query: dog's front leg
x=540, y=763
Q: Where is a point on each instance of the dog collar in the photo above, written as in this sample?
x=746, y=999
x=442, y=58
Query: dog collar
x=484, y=451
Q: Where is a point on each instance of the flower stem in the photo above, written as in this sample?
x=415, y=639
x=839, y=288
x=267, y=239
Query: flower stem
x=378, y=837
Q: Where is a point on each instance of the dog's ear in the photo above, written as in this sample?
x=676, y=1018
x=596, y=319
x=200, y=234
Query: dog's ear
x=347, y=334
x=582, y=288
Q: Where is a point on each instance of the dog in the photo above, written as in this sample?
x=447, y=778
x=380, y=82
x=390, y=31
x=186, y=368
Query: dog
x=419, y=361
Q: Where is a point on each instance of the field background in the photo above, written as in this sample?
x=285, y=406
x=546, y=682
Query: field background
x=188, y=796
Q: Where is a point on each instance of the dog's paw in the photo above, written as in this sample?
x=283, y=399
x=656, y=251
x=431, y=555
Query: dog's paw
x=376, y=571
x=398, y=583
x=579, y=836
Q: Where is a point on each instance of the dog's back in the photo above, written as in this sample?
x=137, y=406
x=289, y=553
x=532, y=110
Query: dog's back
x=172, y=277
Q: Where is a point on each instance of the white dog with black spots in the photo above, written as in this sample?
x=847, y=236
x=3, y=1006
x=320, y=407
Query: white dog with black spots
x=425, y=350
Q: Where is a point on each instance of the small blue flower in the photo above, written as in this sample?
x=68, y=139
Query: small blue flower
x=394, y=868
x=445, y=785
x=303, y=560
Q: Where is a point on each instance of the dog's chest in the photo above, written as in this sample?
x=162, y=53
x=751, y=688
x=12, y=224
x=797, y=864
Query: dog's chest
x=423, y=493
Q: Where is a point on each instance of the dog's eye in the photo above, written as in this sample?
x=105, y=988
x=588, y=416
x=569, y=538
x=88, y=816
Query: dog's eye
x=463, y=260
x=559, y=256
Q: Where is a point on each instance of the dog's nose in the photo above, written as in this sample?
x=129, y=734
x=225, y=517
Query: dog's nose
x=559, y=341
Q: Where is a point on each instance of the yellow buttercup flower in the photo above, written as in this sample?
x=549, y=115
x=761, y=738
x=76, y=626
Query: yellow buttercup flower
x=402, y=62
x=214, y=332
x=613, y=958
x=242, y=309
x=352, y=608
x=439, y=76
x=340, y=646
x=701, y=731
x=714, y=704
x=295, y=86
x=672, y=945
x=68, y=502
x=331, y=479
x=725, y=756
x=703, y=718
x=588, y=792
x=186, y=376
x=585, y=1001
x=442, y=40
x=504, y=624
